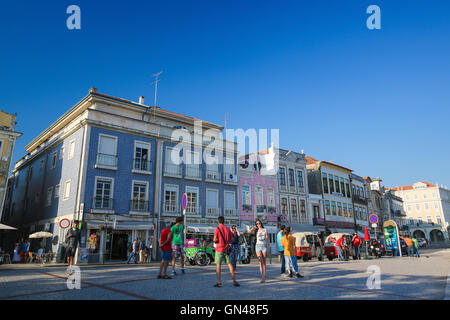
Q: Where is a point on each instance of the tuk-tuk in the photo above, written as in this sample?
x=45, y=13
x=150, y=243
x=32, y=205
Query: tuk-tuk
x=307, y=246
x=331, y=251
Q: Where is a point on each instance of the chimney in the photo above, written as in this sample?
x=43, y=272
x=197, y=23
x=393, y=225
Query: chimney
x=141, y=100
x=91, y=90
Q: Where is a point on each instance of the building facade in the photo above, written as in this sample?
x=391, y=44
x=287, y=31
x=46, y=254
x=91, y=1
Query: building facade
x=427, y=209
x=8, y=137
x=360, y=196
x=120, y=168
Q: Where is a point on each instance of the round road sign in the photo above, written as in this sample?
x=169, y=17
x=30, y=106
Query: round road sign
x=373, y=218
x=64, y=223
x=184, y=201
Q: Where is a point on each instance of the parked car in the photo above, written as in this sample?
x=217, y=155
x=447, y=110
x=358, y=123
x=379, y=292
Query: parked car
x=307, y=246
x=330, y=250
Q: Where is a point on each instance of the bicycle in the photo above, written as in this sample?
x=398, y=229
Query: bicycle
x=200, y=257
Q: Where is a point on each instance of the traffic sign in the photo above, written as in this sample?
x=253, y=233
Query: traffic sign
x=184, y=201
x=373, y=218
x=64, y=223
x=374, y=225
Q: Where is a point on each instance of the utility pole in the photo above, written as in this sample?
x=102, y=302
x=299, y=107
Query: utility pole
x=156, y=75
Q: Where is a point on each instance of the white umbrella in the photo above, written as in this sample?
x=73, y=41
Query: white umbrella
x=5, y=227
x=40, y=234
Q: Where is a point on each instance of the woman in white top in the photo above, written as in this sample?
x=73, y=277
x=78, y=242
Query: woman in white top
x=262, y=245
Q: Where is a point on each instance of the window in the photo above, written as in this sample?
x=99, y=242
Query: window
x=270, y=198
x=212, y=201
x=330, y=179
x=67, y=189
x=342, y=186
x=229, y=205
x=409, y=208
x=71, y=149
x=170, y=198
x=339, y=208
x=294, y=207
x=141, y=156
x=61, y=153
x=336, y=184
x=429, y=220
x=284, y=206
x=303, y=207
x=172, y=162
x=282, y=176
x=344, y=209
x=419, y=220
x=436, y=206
x=54, y=155
x=107, y=151
x=49, y=197
x=192, y=200
x=350, y=210
x=434, y=194
x=354, y=190
x=192, y=164
x=57, y=191
x=259, y=194
x=347, y=188
x=17, y=180
x=228, y=165
x=246, y=197
x=103, y=193
x=417, y=207
x=333, y=207
x=30, y=173
x=424, y=195
x=327, y=207
x=325, y=182
x=426, y=206
x=438, y=220
x=300, y=178
x=41, y=166
x=291, y=178
x=139, y=201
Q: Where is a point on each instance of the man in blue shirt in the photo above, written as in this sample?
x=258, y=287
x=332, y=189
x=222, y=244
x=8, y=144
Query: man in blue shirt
x=281, y=249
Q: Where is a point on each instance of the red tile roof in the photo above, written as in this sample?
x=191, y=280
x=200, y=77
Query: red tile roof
x=429, y=185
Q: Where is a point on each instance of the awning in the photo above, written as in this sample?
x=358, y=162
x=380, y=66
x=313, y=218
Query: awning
x=122, y=225
x=200, y=229
x=304, y=228
x=5, y=227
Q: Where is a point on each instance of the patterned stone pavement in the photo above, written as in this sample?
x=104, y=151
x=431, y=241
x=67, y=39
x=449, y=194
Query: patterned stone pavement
x=401, y=278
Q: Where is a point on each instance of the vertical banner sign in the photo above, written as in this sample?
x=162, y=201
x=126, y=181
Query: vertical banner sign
x=183, y=205
x=81, y=215
x=391, y=236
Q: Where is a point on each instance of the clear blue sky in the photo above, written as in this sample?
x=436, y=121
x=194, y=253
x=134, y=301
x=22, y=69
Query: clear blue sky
x=375, y=101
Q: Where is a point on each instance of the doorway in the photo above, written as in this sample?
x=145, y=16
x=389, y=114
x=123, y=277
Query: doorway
x=119, y=245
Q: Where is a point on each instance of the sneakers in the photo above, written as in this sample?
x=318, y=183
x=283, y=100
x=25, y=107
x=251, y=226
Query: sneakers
x=299, y=275
x=182, y=271
x=174, y=273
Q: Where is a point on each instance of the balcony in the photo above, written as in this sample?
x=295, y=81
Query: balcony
x=230, y=178
x=142, y=166
x=319, y=221
x=193, y=211
x=271, y=209
x=139, y=206
x=261, y=209
x=172, y=170
x=247, y=207
x=106, y=161
x=102, y=205
x=283, y=187
x=212, y=176
x=230, y=212
x=300, y=189
x=193, y=173
x=360, y=200
x=212, y=212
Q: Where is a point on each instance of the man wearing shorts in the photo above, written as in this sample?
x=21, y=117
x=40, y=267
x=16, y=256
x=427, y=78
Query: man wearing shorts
x=222, y=237
x=73, y=240
x=165, y=243
x=177, y=244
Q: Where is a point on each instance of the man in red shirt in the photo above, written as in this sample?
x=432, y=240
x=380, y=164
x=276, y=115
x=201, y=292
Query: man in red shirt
x=165, y=243
x=356, y=240
x=338, y=245
x=222, y=238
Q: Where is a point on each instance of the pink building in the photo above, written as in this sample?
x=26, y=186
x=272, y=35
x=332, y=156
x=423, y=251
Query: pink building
x=257, y=192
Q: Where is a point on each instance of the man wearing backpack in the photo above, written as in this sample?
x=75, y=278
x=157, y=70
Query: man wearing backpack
x=222, y=238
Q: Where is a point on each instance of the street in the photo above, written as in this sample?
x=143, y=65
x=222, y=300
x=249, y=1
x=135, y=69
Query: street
x=401, y=278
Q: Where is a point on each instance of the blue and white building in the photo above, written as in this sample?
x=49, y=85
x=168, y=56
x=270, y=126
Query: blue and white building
x=108, y=162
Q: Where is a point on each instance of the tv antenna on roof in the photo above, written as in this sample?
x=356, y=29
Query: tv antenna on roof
x=156, y=75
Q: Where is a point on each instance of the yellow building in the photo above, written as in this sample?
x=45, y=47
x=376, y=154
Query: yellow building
x=8, y=137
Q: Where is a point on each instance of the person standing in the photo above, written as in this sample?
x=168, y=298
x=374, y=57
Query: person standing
x=416, y=247
x=288, y=242
x=177, y=244
x=281, y=249
x=150, y=247
x=73, y=240
x=410, y=246
x=339, y=245
x=234, y=246
x=165, y=243
x=261, y=247
x=134, y=252
x=356, y=241
x=16, y=255
x=141, y=251
x=222, y=238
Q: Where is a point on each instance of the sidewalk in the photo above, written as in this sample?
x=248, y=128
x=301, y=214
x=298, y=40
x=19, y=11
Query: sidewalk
x=14, y=266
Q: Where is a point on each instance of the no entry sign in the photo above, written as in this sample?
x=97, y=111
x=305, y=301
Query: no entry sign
x=184, y=201
x=373, y=218
x=64, y=223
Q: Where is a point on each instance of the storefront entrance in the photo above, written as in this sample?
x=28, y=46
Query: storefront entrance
x=120, y=240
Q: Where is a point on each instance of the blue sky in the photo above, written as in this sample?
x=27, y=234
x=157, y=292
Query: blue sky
x=375, y=101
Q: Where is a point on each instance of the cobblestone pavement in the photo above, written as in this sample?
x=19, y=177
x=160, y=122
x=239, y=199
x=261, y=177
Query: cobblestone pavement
x=401, y=278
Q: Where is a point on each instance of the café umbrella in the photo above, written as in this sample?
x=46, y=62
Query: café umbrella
x=5, y=227
x=40, y=234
